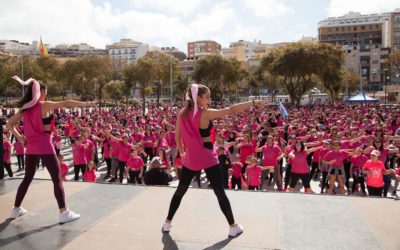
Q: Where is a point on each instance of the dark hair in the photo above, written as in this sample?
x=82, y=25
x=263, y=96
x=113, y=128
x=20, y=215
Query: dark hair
x=376, y=139
x=189, y=103
x=28, y=94
x=302, y=146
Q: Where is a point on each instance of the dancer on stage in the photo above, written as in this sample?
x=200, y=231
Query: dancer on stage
x=192, y=135
x=38, y=127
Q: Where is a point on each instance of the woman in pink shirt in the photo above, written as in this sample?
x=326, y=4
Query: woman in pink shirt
x=149, y=141
x=135, y=165
x=38, y=126
x=335, y=159
x=300, y=168
x=124, y=149
x=357, y=162
x=192, y=135
x=375, y=169
x=272, y=154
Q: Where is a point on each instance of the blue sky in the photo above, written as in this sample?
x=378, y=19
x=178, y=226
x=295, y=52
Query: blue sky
x=173, y=22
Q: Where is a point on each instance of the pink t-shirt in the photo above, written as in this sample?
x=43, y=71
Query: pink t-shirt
x=135, y=163
x=270, y=155
x=64, y=170
x=170, y=138
x=148, y=141
x=299, y=163
x=19, y=148
x=79, y=154
x=245, y=151
x=90, y=175
x=375, y=176
x=114, y=148
x=124, y=151
x=358, y=161
x=253, y=175
x=106, y=147
x=89, y=150
x=339, y=156
x=236, y=169
x=7, y=151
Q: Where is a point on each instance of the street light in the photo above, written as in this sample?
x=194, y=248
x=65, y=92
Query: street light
x=385, y=71
x=170, y=78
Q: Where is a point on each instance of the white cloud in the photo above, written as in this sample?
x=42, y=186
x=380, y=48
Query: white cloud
x=341, y=7
x=267, y=8
x=175, y=7
x=57, y=22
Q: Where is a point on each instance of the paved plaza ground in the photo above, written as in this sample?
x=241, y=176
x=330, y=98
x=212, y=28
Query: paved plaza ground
x=130, y=217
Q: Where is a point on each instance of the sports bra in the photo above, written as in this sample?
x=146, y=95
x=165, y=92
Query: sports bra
x=47, y=120
x=206, y=131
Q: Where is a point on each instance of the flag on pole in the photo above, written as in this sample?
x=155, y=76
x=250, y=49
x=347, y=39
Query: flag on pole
x=282, y=109
x=42, y=49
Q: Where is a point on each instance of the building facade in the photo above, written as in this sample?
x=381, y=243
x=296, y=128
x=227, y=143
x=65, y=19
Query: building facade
x=394, y=30
x=367, y=31
x=127, y=50
x=76, y=50
x=16, y=48
x=201, y=48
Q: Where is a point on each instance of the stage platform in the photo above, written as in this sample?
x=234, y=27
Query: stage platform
x=130, y=217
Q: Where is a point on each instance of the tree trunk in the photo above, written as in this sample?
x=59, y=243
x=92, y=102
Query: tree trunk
x=158, y=92
x=143, y=101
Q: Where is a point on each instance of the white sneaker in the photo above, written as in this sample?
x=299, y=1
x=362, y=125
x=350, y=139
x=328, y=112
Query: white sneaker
x=235, y=231
x=166, y=227
x=17, y=211
x=68, y=216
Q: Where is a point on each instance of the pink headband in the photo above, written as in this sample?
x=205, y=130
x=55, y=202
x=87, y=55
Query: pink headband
x=194, y=89
x=35, y=91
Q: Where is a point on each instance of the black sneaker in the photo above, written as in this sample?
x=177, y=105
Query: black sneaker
x=394, y=193
x=112, y=180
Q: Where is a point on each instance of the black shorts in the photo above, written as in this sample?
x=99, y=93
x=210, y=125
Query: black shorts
x=305, y=179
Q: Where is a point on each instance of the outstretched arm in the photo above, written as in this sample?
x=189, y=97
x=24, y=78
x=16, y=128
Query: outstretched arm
x=211, y=114
x=48, y=105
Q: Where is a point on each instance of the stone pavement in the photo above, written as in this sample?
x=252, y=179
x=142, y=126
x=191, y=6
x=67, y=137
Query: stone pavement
x=130, y=217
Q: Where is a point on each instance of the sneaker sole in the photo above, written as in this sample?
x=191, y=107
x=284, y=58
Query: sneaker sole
x=61, y=223
x=230, y=236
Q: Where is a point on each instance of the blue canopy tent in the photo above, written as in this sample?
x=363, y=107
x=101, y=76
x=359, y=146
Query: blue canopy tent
x=361, y=97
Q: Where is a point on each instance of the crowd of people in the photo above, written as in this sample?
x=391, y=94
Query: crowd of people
x=348, y=146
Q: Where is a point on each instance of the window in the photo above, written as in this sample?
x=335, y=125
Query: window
x=371, y=27
x=337, y=29
x=362, y=27
x=329, y=29
x=355, y=28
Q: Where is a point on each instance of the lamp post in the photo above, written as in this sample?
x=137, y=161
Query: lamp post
x=170, y=78
x=385, y=71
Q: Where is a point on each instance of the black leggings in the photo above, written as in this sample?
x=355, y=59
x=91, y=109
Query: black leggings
x=21, y=163
x=214, y=175
x=236, y=182
x=77, y=168
x=324, y=182
x=51, y=163
x=358, y=180
x=134, y=177
x=7, y=166
x=108, y=163
x=375, y=191
x=122, y=169
x=288, y=174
